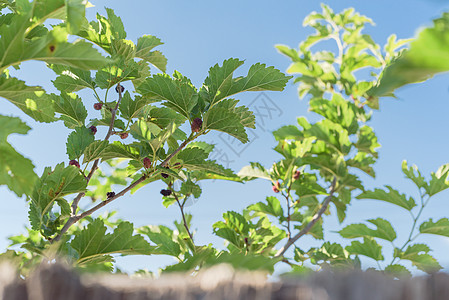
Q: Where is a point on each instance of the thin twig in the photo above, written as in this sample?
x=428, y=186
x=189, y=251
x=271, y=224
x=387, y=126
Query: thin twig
x=73, y=219
x=309, y=226
x=96, y=162
x=287, y=198
x=181, y=208
x=183, y=144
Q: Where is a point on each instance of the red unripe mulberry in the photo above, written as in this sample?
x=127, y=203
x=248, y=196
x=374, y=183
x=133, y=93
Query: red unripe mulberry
x=296, y=175
x=197, y=123
x=98, y=106
x=147, y=163
x=75, y=163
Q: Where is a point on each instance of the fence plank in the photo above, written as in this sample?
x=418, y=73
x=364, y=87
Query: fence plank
x=57, y=281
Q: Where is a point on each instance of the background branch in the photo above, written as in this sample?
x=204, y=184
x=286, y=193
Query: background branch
x=309, y=226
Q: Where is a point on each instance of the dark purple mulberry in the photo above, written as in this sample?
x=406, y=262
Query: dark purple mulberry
x=110, y=194
x=93, y=129
x=119, y=88
x=165, y=175
x=166, y=193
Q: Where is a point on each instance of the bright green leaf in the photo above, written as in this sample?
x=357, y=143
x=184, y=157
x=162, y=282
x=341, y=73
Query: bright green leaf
x=392, y=196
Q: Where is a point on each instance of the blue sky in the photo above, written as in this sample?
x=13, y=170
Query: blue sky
x=198, y=34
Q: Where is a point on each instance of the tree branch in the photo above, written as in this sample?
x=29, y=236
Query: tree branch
x=181, y=208
x=183, y=144
x=73, y=219
x=95, y=165
x=309, y=226
x=287, y=198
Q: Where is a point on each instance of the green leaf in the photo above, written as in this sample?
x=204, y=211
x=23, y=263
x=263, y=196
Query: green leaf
x=225, y=117
x=229, y=235
x=117, y=27
x=156, y=58
x=426, y=57
x=95, y=150
x=119, y=150
x=30, y=99
x=16, y=171
x=72, y=79
x=369, y=248
x=71, y=108
x=384, y=230
x=259, y=78
x=190, y=188
x=123, y=49
x=208, y=148
x=414, y=175
x=118, y=71
x=440, y=227
x=418, y=255
x=220, y=80
x=193, y=156
x=273, y=207
x=145, y=44
x=178, y=95
x=51, y=186
x=398, y=271
x=367, y=140
x=339, y=111
x=234, y=221
x=78, y=54
x=145, y=131
x=317, y=229
x=158, y=142
x=392, y=196
x=254, y=171
x=75, y=11
x=93, y=243
x=163, y=237
x=9, y=125
x=130, y=108
x=78, y=140
x=163, y=116
x=439, y=180
x=243, y=261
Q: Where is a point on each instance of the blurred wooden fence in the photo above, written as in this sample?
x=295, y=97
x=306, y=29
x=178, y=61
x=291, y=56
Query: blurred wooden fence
x=54, y=282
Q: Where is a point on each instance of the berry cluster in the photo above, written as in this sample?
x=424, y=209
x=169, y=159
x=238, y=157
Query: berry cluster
x=110, y=194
